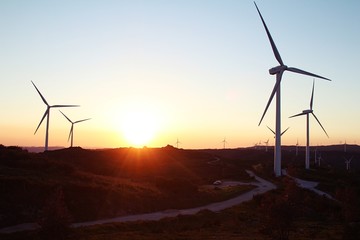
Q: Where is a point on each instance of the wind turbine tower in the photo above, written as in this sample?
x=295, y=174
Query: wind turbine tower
x=278, y=71
x=47, y=115
x=71, y=134
x=307, y=113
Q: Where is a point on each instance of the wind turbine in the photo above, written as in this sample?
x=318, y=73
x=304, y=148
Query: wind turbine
x=71, y=134
x=319, y=160
x=177, y=143
x=224, y=142
x=47, y=115
x=297, y=147
x=275, y=133
x=307, y=112
x=278, y=71
x=347, y=162
x=266, y=145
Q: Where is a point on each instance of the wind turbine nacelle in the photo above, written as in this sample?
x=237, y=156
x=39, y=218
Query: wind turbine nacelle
x=277, y=69
x=307, y=111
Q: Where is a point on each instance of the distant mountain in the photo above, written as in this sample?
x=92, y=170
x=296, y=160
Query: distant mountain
x=41, y=149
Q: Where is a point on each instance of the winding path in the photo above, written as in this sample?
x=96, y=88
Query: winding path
x=308, y=185
x=262, y=187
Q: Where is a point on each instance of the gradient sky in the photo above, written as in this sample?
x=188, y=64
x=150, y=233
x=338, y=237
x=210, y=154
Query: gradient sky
x=199, y=67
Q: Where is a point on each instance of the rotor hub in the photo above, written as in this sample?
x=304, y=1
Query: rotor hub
x=307, y=111
x=278, y=69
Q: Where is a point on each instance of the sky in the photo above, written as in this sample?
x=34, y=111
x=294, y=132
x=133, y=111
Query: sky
x=154, y=72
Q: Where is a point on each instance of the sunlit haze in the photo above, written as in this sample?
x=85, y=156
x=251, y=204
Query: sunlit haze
x=150, y=72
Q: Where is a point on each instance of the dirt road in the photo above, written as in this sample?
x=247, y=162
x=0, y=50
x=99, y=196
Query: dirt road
x=262, y=187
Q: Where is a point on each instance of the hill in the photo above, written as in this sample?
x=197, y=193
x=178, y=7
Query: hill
x=106, y=183
x=114, y=182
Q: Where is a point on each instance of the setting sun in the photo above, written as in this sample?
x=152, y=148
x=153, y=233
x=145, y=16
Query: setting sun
x=139, y=127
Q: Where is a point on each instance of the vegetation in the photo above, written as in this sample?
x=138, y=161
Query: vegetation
x=106, y=183
x=286, y=213
x=57, y=187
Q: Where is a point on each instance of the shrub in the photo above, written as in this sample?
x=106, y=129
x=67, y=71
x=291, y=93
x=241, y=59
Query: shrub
x=55, y=218
x=176, y=186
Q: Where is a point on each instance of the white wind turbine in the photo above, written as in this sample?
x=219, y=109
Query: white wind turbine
x=278, y=71
x=71, y=134
x=297, y=147
x=47, y=115
x=266, y=145
x=275, y=133
x=307, y=113
x=347, y=162
x=177, y=143
x=319, y=160
x=224, y=142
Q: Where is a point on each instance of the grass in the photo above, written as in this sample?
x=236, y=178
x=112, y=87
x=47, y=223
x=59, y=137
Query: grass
x=241, y=222
x=102, y=184
x=105, y=184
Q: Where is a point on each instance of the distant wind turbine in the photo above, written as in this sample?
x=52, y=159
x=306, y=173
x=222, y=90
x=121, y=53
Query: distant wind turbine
x=71, y=134
x=347, y=162
x=177, y=143
x=297, y=147
x=224, y=143
x=307, y=112
x=278, y=71
x=266, y=145
x=275, y=133
x=47, y=115
x=319, y=160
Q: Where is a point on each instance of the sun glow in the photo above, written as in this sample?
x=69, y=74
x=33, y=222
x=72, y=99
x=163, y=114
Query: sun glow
x=139, y=126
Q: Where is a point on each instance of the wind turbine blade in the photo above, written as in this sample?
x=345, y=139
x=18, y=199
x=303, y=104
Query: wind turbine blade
x=66, y=116
x=71, y=131
x=271, y=130
x=312, y=96
x=270, y=99
x=42, y=97
x=58, y=106
x=42, y=119
x=284, y=131
x=82, y=120
x=296, y=70
x=296, y=115
x=273, y=46
x=320, y=124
